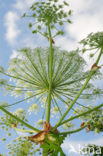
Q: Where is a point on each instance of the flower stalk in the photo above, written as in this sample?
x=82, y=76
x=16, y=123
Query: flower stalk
x=50, y=75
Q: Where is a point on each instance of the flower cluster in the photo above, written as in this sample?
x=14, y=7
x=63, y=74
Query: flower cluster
x=49, y=13
x=68, y=126
x=21, y=146
x=96, y=120
x=30, y=79
x=33, y=108
x=9, y=122
x=94, y=41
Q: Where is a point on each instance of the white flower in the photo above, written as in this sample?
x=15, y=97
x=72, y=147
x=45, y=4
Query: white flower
x=16, y=92
x=19, y=82
x=40, y=122
x=43, y=100
x=32, y=108
x=19, y=111
x=29, y=93
x=68, y=126
x=55, y=110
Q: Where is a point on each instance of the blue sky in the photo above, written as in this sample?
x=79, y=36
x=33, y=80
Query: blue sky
x=14, y=33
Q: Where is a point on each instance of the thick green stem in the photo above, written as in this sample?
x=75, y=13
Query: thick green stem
x=50, y=75
x=19, y=120
x=83, y=87
x=82, y=114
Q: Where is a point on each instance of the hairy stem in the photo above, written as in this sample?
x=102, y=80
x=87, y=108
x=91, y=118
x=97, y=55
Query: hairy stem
x=50, y=75
x=78, y=95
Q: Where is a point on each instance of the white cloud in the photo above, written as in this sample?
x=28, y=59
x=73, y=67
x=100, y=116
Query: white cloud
x=22, y=5
x=19, y=5
x=83, y=25
x=29, y=42
x=81, y=5
x=12, y=30
x=87, y=18
x=66, y=43
x=12, y=22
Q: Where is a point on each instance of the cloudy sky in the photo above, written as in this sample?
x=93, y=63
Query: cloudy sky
x=14, y=33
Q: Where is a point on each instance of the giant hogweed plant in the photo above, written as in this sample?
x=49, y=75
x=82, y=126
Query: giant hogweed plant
x=55, y=83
